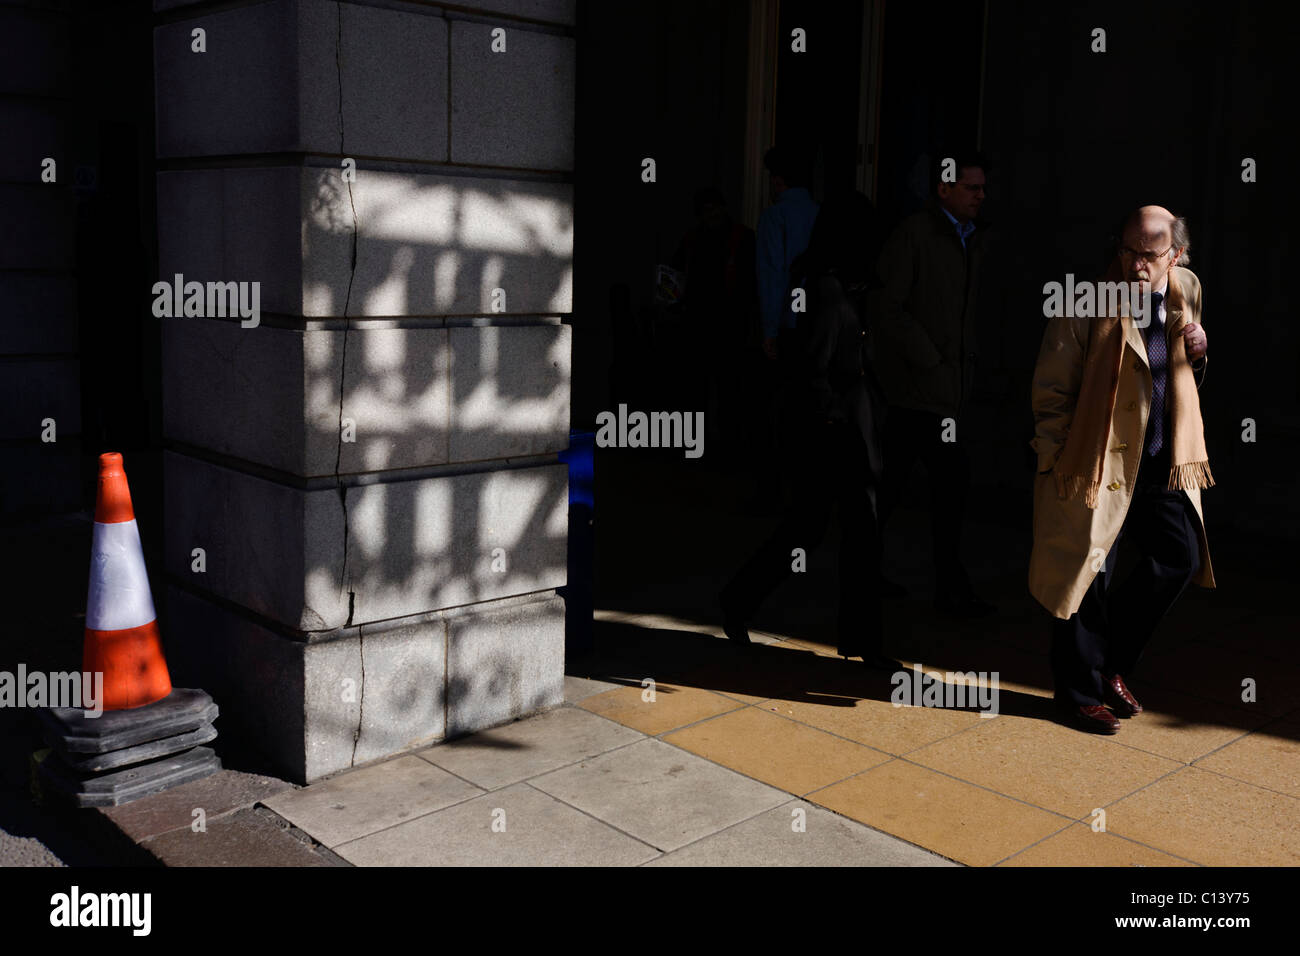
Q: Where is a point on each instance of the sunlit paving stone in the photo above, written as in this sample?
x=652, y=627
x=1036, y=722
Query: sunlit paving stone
x=785, y=754
x=950, y=817
x=1081, y=845
x=1182, y=727
x=1212, y=819
x=874, y=722
x=1268, y=758
x=1045, y=764
x=658, y=708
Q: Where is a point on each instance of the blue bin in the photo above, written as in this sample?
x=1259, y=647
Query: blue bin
x=579, y=592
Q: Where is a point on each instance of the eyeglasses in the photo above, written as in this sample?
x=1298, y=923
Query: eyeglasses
x=972, y=187
x=1126, y=253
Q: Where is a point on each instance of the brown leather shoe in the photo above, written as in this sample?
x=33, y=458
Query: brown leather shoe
x=1095, y=719
x=1119, y=699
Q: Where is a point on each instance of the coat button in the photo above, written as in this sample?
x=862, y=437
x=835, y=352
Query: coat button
x=1122, y=446
x=1131, y=405
x=1113, y=486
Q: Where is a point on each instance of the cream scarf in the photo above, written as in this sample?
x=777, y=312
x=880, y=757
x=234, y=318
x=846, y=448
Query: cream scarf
x=1080, y=464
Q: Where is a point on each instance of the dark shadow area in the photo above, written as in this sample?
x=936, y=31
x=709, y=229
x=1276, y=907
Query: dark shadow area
x=1069, y=161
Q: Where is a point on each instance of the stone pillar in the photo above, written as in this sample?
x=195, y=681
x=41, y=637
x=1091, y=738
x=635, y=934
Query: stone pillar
x=40, y=375
x=370, y=470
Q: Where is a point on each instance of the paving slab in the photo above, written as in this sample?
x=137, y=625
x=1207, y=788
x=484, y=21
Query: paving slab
x=1045, y=764
x=776, y=750
x=951, y=817
x=1268, y=758
x=1212, y=820
x=876, y=722
x=247, y=838
x=660, y=794
x=363, y=801
x=495, y=758
x=672, y=706
x=1165, y=727
x=172, y=809
x=517, y=826
x=771, y=839
x=1079, y=845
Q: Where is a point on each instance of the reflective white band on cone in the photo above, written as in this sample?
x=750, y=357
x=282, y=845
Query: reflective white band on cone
x=119, y=596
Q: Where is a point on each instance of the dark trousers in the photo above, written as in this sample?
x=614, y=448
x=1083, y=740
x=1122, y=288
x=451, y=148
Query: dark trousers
x=911, y=434
x=1107, y=634
x=829, y=469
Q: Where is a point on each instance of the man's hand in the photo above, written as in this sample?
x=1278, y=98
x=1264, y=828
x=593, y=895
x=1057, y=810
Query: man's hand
x=769, y=348
x=1195, y=341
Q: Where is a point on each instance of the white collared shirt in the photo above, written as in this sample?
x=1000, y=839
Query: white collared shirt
x=1164, y=297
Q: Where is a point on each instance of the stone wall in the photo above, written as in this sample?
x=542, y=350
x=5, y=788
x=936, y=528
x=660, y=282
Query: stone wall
x=371, y=469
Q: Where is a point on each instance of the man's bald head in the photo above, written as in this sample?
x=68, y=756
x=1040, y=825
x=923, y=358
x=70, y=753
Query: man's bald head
x=1155, y=222
x=1152, y=242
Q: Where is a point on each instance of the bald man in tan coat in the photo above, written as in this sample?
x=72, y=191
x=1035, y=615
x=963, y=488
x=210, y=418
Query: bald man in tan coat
x=1121, y=454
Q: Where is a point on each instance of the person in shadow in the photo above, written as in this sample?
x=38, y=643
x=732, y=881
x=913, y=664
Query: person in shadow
x=716, y=255
x=925, y=323
x=831, y=436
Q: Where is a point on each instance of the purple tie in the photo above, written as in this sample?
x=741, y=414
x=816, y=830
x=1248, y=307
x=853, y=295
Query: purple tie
x=1158, y=356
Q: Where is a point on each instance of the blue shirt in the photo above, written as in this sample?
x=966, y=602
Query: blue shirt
x=784, y=229
x=963, y=229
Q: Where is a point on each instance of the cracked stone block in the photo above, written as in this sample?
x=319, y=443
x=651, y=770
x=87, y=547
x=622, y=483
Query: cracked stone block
x=315, y=710
x=394, y=83
x=404, y=685
x=411, y=546
x=512, y=108
x=333, y=703
x=271, y=76
x=439, y=245
x=34, y=389
x=503, y=664
x=394, y=413
x=40, y=314
x=510, y=391
x=395, y=395
x=428, y=245
x=435, y=543
x=412, y=397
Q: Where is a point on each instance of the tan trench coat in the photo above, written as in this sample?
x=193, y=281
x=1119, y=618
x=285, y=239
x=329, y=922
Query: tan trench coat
x=1070, y=539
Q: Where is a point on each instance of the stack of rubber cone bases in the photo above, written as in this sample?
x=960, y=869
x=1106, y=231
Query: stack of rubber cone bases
x=149, y=735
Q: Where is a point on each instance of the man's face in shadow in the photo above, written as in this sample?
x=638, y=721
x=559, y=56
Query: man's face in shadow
x=963, y=198
x=1146, y=252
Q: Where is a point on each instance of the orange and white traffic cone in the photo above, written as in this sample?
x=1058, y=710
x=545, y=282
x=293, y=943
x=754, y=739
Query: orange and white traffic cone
x=122, y=638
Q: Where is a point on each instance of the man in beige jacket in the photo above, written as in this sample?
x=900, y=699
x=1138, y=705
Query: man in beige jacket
x=1121, y=454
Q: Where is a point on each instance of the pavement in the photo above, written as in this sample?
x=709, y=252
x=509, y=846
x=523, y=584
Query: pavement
x=676, y=747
